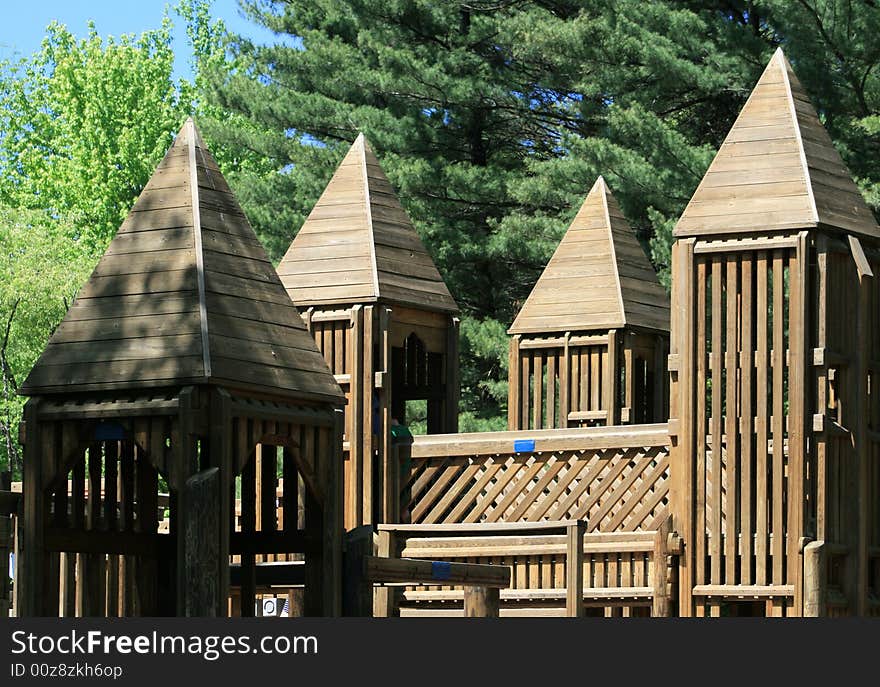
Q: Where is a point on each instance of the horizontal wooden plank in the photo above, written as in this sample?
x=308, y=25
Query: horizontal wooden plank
x=546, y=440
x=478, y=528
x=378, y=569
x=743, y=591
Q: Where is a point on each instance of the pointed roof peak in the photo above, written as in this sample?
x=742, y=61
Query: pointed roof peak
x=598, y=278
x=777, y=169
x=184, y=294
x=359, y=246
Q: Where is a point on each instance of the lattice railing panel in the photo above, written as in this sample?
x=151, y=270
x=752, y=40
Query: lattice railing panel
x=613, y=489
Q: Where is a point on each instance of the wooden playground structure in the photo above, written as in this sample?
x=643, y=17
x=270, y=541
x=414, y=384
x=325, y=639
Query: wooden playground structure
x=713, y=455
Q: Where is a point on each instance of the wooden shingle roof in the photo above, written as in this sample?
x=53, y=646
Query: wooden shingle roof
x=358, y=245
x=776, y=170
x=598, y=278
x=184, y=294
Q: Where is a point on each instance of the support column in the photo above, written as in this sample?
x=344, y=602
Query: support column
x=354, y=469
x=368, y=384
x=514, y=385
x=682, y=424
x=184, y=465
x=387, y=457
x=220, y=447
x=31, y=569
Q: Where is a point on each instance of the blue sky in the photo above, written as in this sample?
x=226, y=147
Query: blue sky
x=24, y=23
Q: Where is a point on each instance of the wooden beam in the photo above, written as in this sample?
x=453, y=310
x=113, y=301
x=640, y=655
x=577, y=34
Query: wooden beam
x=417, y=571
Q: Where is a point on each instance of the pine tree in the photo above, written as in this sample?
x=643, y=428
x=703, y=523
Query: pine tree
x=492, y=118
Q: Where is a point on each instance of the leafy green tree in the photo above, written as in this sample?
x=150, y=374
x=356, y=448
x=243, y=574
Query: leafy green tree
x=83, y=122
x=42, y=269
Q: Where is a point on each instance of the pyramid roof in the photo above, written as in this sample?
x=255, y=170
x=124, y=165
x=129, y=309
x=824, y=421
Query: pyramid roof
x=598, y=278
x=359, y=246
x=777, y=170
x=184, y=294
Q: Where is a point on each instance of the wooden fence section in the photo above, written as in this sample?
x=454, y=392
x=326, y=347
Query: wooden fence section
x=615, y=478
x=557, y=569
x=584, y=380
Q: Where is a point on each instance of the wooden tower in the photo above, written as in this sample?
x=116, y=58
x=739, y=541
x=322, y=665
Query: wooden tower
x=182, y=362
x=384, y=320
x=774, y=364
x=589, y=344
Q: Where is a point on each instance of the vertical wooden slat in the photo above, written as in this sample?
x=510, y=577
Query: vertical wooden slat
x=390, y=466
x=525, y=377
x=595, y=377
x=778, y=354
x=367, y=386
x=355, y=466
x=564, y=384
x=550, y=415
x=731, y=422
x=746, y=420
x=248, y=526
x=797, y=326
x=610, y=379
x=629, y=376
x=576, y=399
x=715, y=364
x=700, y=425
x=537, y=389
x=761, y=420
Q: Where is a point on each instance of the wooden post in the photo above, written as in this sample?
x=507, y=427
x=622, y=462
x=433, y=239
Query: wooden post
x=220, y=447
x=385, y=598
x=860, y=439
x=333, y=517
x=574, y=569
x=354, y=471
x=660, y=606
x=387, y=458
x=201, y=530
x=481, y=601
x=514, y=384
x=814, y=579
x=183, y=466
x=31, y=571
x=612, y=406
x=357, y=596
x=368, y=384
x=682, y=449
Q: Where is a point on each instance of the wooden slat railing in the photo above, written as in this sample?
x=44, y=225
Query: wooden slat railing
x=615, y=478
